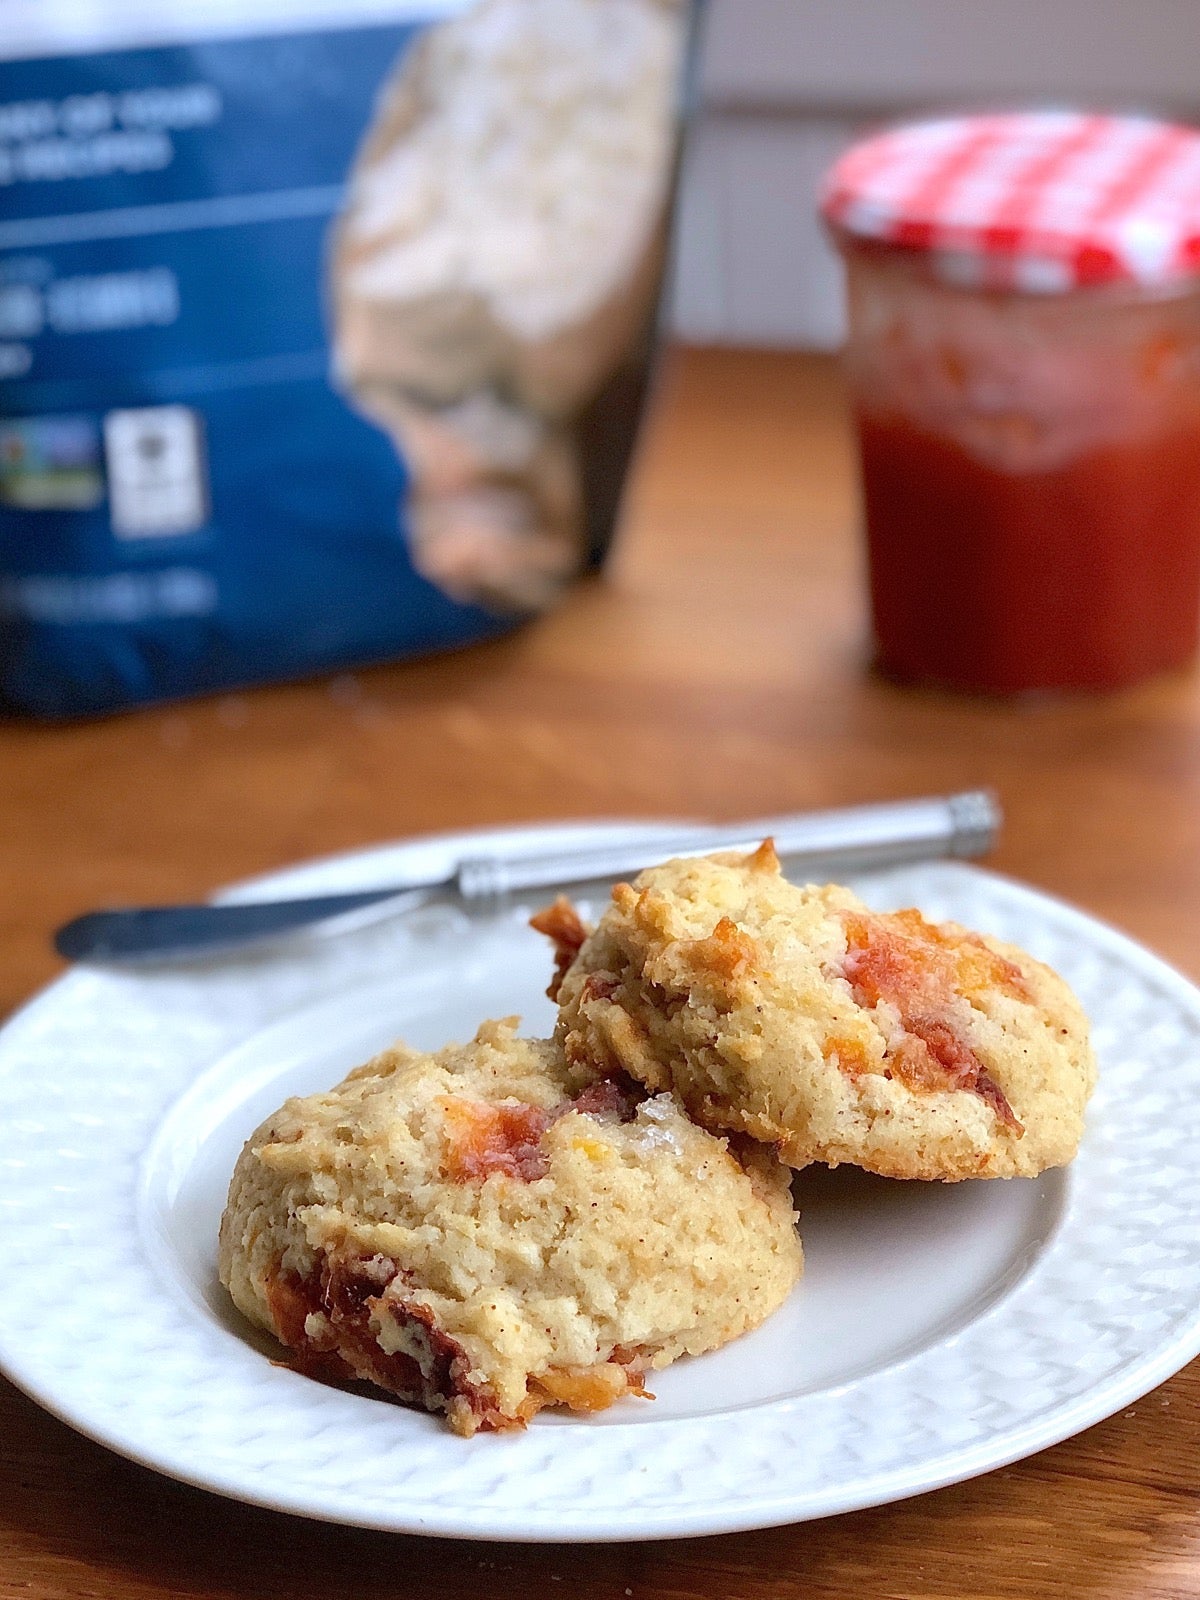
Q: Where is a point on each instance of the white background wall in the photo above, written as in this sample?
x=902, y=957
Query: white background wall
x=787, y=83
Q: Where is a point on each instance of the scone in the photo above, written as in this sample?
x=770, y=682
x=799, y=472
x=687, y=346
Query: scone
x=492, y=1229
x=835, y=1033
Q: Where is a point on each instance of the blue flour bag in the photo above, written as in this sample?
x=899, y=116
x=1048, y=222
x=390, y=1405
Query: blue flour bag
x=317, y=346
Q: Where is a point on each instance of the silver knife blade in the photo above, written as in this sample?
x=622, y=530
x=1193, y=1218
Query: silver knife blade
x=853, y=839
x=141, y=933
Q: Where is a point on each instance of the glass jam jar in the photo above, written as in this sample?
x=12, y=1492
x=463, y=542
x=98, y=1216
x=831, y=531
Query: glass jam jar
x=1024, y=361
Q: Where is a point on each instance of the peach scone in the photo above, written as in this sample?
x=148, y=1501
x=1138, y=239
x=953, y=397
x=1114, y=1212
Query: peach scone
x=832, y=1032
x=493, y=1229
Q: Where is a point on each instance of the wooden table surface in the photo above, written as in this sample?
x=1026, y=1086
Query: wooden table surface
x=717, y=669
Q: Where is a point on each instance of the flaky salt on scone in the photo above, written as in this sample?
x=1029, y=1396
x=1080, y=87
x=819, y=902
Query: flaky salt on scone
x=490, y=1230
x=838, y=1034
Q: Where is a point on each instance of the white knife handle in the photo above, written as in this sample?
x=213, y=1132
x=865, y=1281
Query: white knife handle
x=851, y=840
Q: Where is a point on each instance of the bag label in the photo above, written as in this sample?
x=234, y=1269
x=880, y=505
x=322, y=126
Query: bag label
x=157, y=486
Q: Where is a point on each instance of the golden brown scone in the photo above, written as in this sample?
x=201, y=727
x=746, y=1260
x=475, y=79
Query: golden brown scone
x=490, y=1230
x=798, y=1016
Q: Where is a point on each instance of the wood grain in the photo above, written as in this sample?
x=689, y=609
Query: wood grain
x=718, y=669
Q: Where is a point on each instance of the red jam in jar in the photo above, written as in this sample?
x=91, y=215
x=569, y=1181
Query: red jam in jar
x=1030, y=457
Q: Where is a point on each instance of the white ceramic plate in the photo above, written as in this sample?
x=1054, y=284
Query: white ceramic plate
x=938, y=1332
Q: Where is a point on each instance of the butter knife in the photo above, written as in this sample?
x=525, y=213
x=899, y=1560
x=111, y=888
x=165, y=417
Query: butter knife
x=815, y=843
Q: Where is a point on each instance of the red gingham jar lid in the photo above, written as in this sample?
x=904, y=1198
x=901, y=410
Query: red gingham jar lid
x=1039, y=202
